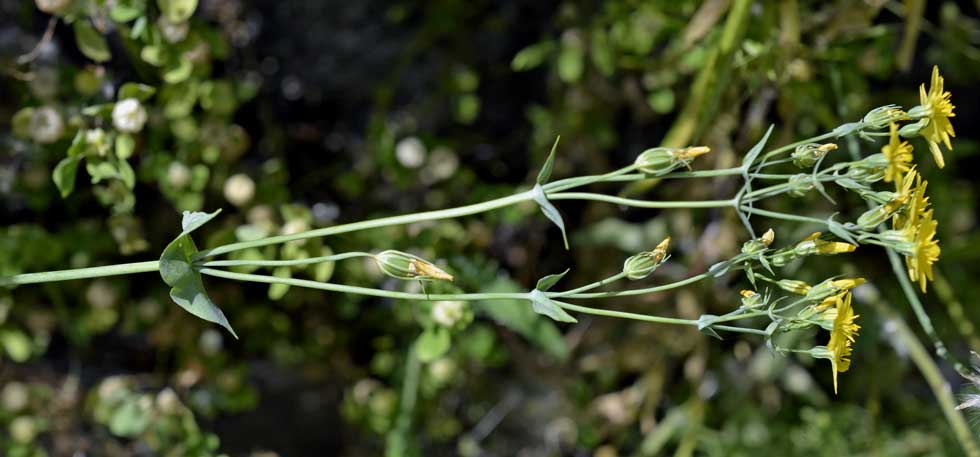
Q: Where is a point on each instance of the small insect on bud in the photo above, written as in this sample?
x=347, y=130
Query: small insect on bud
x=806, y=155
x=759, y=244
x=660, y=161
x=645, y=263
x=402, y=265
x=881, y=116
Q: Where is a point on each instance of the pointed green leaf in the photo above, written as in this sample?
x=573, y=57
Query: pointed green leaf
x=517, y=316
x=550, y=211
x=138, y=91
x=126, y=174
x=433, y=343
x=757, y=149
x=176, y=269
x=545, y=174
x=90, y=42
x=546, y=282
x=543, y=305
x=704, y=325
x=64, y=175
x=125, y=144
x=838, y=229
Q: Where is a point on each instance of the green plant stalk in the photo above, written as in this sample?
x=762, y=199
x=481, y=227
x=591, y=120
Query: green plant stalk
x=642, y=203
x=399, y=437
x=656, y=319
x=284, y=263
x=783, y=216
x=626, y=293
x=81, y=273
x=587, y=287
x=955, y=309
x=930, y=371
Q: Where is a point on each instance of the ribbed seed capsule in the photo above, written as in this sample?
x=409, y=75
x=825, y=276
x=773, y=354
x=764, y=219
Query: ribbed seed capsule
x=402, y=265
x=644, y=264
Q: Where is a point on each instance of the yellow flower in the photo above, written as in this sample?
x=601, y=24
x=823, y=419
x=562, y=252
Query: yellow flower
x=939, y=129
x=899, y=156
x=925, y=251
x=842, y=336
x=908, y=219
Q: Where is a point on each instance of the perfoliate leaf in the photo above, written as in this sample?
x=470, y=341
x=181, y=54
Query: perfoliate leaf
x=546, y=282
x=549, y=164
x=90, y=42
x=64, y=175
x=543, y=305
x=176, y=269
x=433, y=343
x=550, y=211
x=704, y=325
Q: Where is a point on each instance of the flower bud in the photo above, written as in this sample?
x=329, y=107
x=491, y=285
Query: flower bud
x=660, y=161
x=239, y=189
x=129, y=115
x=783, y=257
x=751, y=298
x=644, y=264
x=806, y=155
x=793, y=286
x=759, y=244
x=869, y=169
x=874, y=216
x=402, y=265
x=920, y=112
x=881, y=116
x=800, y=184
x=813, y=244
x=827, y=292
x=912, y=130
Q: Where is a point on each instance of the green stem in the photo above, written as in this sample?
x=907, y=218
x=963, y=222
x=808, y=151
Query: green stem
x=80, y=273
x=784, y=216
x=656, y=319
x=641, y=203
x=356, y=289
x=704, y=173
x=569, y=183
x=374, y=223
x=284, y=263
x=399, y=437
x=609, y=280
x=934, y=377
x=626, y=293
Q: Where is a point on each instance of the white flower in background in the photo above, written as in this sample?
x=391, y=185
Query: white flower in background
x=46, y=125
x=129, y=115
x=178, y=175
x=173, y=32
x=52, y=6
x=410, y=152
x=98, y=141
x=239, y=189
x=101, y=295
x=448, y=313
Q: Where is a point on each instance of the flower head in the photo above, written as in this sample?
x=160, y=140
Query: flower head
x=940, y=109
x=899, y=155
x=842, y=336
x=129, y=115
x=925, y=251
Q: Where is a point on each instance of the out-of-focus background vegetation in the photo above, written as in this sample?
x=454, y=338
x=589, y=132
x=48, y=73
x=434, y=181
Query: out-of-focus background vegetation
x=299, y=114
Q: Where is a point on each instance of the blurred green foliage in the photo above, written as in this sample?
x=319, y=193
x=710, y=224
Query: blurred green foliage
x=296, y=115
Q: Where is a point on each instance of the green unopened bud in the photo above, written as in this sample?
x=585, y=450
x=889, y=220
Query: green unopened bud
x=814, y=244
x=645, y=263
x=800, y=184
x=751, y=298
x=660, y=161
x=831, y=288
x=759, y=244
x=881, y=116
x=806, y=155
x=881, y=213
x=912, y=130
x=793, y=286
x=869, y=169
x=783, y=257
x=401, y=265
x=920, y=112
